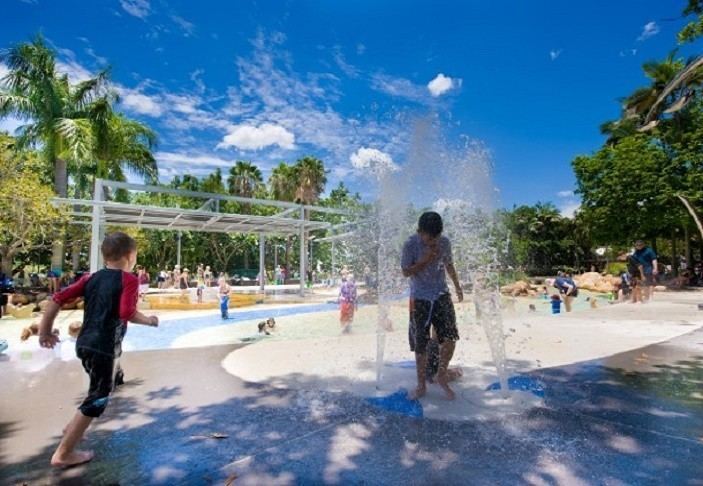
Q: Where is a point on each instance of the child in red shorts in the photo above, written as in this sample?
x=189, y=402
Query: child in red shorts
x=111, y=296
x=347, y=302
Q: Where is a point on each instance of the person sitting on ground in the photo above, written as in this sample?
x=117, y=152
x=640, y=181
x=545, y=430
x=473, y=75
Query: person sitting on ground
x=567, y=288
x=111, y=296
x=626, y=285
x=427, y=259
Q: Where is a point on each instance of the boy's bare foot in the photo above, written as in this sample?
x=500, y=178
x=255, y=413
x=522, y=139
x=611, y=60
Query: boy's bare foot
x=443, y=381
x=419, y=392
x=72, y=459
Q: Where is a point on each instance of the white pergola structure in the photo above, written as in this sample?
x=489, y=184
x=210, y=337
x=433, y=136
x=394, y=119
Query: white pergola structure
x=289, y=220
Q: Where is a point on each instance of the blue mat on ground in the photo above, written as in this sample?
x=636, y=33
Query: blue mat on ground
x=409, y=364
x=522, y=383
x=398, y=402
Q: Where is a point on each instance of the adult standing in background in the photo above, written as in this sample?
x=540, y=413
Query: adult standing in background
x=567, y=288
x=646, y=257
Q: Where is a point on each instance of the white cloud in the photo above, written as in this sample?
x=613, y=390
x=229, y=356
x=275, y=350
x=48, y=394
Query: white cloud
x=251, y=137
x=68, y=64
x=555, y=53
x=137, y=102
x=4, y=70
x=372, y=160
x=136, y=8
x=187, y=27
x=441, y=84
x=9, y=124
x=650, y=29
x=568, y=210
x=565, y=193
x=348, y=69
x=398, y=87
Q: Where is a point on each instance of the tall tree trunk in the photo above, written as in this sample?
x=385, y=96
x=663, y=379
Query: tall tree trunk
x=687, y=242
x=6, y=264
x=674, y=256
x=61, y=188
x=246, y=257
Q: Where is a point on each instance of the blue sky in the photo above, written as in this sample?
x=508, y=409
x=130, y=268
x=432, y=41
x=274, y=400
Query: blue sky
x=269, y=81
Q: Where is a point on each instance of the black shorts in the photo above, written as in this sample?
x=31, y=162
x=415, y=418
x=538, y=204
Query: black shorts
x=649, y=280
x=101, y=371
x=426, y=314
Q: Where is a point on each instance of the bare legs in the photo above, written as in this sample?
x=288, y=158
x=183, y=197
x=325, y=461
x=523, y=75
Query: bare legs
x=446, y=351
x=66, y=455
x=567, y=302
x=444, y=374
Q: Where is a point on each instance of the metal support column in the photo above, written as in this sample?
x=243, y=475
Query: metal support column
x=262, y=261
x=178, y=254
x=95, y=234
x=333, y=274
x=303, y=251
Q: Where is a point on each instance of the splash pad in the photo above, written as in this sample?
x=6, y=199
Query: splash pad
x=452, y=179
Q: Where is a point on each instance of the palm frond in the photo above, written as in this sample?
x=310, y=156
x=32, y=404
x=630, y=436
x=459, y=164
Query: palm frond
x=78, y=137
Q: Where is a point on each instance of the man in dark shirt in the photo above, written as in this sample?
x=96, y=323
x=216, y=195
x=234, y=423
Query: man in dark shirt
x=110, y=301
x=646, y=257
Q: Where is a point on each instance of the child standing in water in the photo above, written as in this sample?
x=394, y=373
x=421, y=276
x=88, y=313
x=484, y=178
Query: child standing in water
x=556, y=304
x=426, y=259
x=111, y=296
x=223, y=293
x=347, y=302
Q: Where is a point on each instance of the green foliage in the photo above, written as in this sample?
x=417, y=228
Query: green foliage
x=694, y=29
x=542, y=241
x=28, y=219
x=616, y=268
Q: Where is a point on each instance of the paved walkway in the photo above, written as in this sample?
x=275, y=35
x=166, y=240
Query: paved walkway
x=634, y=418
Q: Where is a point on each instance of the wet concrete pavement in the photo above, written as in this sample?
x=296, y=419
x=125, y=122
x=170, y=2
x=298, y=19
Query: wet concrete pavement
x=634, y=418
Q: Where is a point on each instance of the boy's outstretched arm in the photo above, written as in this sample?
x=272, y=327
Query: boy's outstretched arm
x=128, y=303
x=139, y=318
x=46, y=338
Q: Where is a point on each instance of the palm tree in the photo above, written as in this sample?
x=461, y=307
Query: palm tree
x=61, y=117
x=283, y=182
x=311, y=179
x=244, y=179
x=282, y=186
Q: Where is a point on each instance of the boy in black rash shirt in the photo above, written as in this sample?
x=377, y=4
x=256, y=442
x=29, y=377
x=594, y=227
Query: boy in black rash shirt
x=110, y=301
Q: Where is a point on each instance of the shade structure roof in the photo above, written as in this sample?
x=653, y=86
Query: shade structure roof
x=288, y=218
